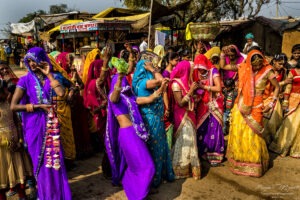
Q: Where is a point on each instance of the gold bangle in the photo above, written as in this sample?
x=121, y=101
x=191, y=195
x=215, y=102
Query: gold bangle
x=104, y=69
x=117, y=88
x=29, y=107
x=156, y=94
x=131, y=59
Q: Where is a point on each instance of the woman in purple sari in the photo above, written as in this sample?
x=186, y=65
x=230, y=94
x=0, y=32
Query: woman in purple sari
x=209, y=111
x=41, y=129
x=125, y=138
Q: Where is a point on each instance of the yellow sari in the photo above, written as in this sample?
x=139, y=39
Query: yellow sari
x=247, y=151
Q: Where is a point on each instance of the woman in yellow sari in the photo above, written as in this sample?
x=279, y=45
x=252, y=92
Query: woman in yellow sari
x=287, y=140
x=247, y=152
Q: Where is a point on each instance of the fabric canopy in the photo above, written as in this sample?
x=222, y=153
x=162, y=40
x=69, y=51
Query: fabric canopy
x=57, y=28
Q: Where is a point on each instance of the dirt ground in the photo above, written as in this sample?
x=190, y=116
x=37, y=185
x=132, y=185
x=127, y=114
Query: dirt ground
x=281, y=181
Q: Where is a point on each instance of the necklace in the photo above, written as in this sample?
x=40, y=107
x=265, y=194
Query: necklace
x=40, y=77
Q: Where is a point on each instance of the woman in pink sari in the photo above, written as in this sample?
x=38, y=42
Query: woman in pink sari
x=184, y=152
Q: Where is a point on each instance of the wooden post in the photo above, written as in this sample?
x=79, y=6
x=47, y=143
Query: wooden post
x=150, y=18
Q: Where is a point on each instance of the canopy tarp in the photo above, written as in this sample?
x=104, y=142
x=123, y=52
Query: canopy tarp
x=117, y=12
x=57, y=28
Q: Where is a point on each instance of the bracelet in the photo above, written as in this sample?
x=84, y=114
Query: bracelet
x=156, y=94
x=186, y=98
x=117, y=88
x=208, y=88
x=54, y=84
x=29, y=107
x=271, y=104
x=104, y=69
x=131, y=59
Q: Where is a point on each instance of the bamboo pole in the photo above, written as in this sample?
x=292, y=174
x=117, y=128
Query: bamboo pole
x=150, y=18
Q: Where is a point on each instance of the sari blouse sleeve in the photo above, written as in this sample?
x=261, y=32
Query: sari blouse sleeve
x=21, y=83
x=176, y=87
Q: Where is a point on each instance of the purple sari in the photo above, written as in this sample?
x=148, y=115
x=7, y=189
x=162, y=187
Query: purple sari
x=52, y=183
x=127, y=151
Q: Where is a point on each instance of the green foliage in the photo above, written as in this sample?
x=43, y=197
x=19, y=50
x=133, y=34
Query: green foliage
x=206, y=10
x=30, y=16
x=55, y=9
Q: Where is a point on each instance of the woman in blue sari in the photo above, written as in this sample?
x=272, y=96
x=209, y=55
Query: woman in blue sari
x=146, y=82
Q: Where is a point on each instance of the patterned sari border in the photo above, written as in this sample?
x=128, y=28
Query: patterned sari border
x=246, y=169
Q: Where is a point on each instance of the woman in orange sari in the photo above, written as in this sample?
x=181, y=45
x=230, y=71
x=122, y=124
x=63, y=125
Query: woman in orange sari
x=247, y=152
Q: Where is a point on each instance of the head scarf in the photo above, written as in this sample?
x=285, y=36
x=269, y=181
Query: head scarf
x=249, y=36
x=54, y=54
x=61, y=59
x=58, y=68
x=247, y=81
x=36, y=54
x=240, y=57
x=91, y=56
x=215, y=51
x=182, y=72
x=139, y=75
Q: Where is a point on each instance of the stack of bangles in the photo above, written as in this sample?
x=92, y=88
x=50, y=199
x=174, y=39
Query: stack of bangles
x=131, y=59
x=104, y=69
x=272, y=103
x=54, y=84
x=117, y=88
x=29, y=107
x=285, y=103
x=186, y=98
x=156, y=94
x=208, y=88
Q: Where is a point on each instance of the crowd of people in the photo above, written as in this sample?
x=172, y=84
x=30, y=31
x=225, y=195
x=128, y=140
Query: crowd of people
x=155, y=115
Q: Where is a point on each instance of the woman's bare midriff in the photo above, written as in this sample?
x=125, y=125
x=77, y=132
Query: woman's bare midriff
x=124, y=121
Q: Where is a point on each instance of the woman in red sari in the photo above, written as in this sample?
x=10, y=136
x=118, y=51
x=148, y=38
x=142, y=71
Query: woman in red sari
x=209, y=111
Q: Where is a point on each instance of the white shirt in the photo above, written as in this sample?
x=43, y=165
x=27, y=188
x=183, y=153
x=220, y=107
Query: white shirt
x=143, y=46
x=247, y=47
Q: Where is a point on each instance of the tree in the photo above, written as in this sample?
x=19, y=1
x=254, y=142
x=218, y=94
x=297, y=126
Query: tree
x=30, y=16
x=56, y=9
x=206, y=10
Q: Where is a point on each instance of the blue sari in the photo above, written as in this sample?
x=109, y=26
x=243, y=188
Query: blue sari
x=153, y=115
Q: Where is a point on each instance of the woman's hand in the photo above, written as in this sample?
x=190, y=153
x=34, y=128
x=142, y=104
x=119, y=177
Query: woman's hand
x=45, y=107
x=194, y=86
x=107, y=54
x=44, y=67
x=149, y=66
x=70, y=96
x=164, y=84
x=288, y=81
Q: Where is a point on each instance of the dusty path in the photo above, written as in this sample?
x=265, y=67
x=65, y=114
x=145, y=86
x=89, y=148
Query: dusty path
x=282, y=181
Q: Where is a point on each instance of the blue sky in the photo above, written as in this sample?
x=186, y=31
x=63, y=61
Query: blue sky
x=13, y=10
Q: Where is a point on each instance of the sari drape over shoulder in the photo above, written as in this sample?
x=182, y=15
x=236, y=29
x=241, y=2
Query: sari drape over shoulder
x=153, y=118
